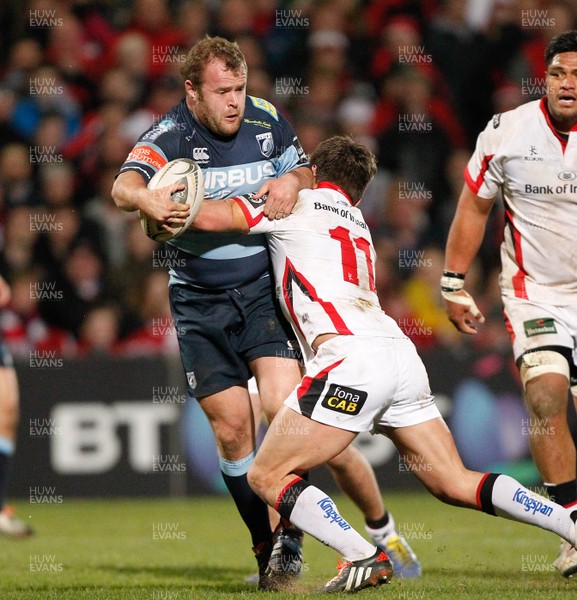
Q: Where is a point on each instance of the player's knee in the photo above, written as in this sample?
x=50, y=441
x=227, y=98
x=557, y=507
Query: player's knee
x=545, y=377
x=257, y=479
x=233, y=441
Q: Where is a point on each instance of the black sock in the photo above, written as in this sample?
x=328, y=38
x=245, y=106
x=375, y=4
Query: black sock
x=564, y=494
x=378, y=523
x=252, y=509
x=4, y=468
x=485, y=493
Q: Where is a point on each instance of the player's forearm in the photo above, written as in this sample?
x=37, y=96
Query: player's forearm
x=128, y=191
x=466, y=232
x=219, y=215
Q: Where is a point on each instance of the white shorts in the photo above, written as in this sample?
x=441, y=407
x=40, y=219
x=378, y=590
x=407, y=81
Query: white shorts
x=532, y=325
x=365, y=383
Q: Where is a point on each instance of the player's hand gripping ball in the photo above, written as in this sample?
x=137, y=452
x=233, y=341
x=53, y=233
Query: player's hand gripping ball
x=180, y=171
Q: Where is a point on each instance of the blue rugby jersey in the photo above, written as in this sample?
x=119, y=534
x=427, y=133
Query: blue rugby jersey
x=264, y=147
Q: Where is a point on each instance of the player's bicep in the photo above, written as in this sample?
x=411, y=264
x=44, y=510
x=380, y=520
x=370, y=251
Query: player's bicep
x=474, y=205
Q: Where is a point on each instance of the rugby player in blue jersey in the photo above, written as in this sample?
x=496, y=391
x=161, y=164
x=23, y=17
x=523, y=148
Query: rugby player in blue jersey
x=222, y=294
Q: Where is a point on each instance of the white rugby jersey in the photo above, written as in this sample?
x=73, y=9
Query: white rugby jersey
x=324, y=266
x=520, y=153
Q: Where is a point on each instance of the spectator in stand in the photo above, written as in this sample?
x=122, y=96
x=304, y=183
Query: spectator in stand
x=48, y=93
x=156, y=334
x=153, y=20
x=21, y=324
x=81, y=284
x=235, y=19
x=112, y=223
x=8, y=133
x=24, y=59
x=141, y=257
x=526, y=65
x=20, y=233
x=193, y=21
x=19, y=186
x=100, y=331
x=447, y=36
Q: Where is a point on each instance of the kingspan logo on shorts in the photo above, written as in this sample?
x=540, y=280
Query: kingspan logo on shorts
x=344, y=399
x=539, y=327
x=531, y=504
x=331, y=513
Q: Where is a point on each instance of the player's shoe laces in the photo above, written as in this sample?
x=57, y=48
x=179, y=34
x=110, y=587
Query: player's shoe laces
x=566, y=562
x=11, y=526
x=360, y=574
x=286, y=559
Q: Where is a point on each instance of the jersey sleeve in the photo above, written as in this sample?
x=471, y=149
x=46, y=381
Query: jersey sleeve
x=157, y=146
x=253, y=210
x=483, y=173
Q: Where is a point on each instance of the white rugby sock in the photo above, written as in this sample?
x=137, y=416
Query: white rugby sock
x=510, y=499
x=311, y=510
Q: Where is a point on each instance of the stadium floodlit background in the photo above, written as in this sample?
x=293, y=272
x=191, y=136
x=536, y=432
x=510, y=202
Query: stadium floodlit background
x=104, y=406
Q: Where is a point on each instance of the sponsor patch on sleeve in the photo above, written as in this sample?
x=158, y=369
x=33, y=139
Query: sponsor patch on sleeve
x=265, y=105
x=148, y=154
x=344, y=399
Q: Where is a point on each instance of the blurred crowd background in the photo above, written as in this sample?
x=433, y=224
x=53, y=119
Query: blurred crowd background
x=416, y=81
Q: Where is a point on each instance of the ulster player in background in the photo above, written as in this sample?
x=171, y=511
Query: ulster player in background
x=530, y=155
x=228, y=322
x=362, y=372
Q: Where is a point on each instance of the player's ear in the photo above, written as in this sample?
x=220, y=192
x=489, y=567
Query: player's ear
x=191, y=92
x=314, y=170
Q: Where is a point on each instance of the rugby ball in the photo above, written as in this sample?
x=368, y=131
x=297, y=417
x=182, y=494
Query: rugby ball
x=180, y=171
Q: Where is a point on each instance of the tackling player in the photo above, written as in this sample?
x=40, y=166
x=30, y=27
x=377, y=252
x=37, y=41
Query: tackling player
x=362, y=372
x=529, y=154
x=222, y=297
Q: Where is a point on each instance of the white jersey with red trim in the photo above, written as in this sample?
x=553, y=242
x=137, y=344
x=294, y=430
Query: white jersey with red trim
x=324, y=265
x=521, y=154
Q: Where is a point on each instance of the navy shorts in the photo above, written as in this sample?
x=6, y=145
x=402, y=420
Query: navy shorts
x=220, y=331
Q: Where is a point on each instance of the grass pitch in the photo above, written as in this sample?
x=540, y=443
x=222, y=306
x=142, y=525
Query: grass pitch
x=197, y=548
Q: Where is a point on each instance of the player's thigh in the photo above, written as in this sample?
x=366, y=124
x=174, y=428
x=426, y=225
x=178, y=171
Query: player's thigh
x=295, y=443
x=230, y=415
x=429, y=452
x=267, y=343
x=277, y=378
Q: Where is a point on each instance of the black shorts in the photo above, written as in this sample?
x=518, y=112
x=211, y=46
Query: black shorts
x=219, y=332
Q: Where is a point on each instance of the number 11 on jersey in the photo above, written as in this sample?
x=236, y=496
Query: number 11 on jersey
x=349, y=247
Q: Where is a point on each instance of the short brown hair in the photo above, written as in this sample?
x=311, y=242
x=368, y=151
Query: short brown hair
x=346, y=163
x=207, y=49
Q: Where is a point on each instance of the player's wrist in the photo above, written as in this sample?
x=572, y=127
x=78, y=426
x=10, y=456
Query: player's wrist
x=451, y=281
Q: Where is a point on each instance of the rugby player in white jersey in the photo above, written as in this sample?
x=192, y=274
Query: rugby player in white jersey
x=529, y=154
x=362, y=372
